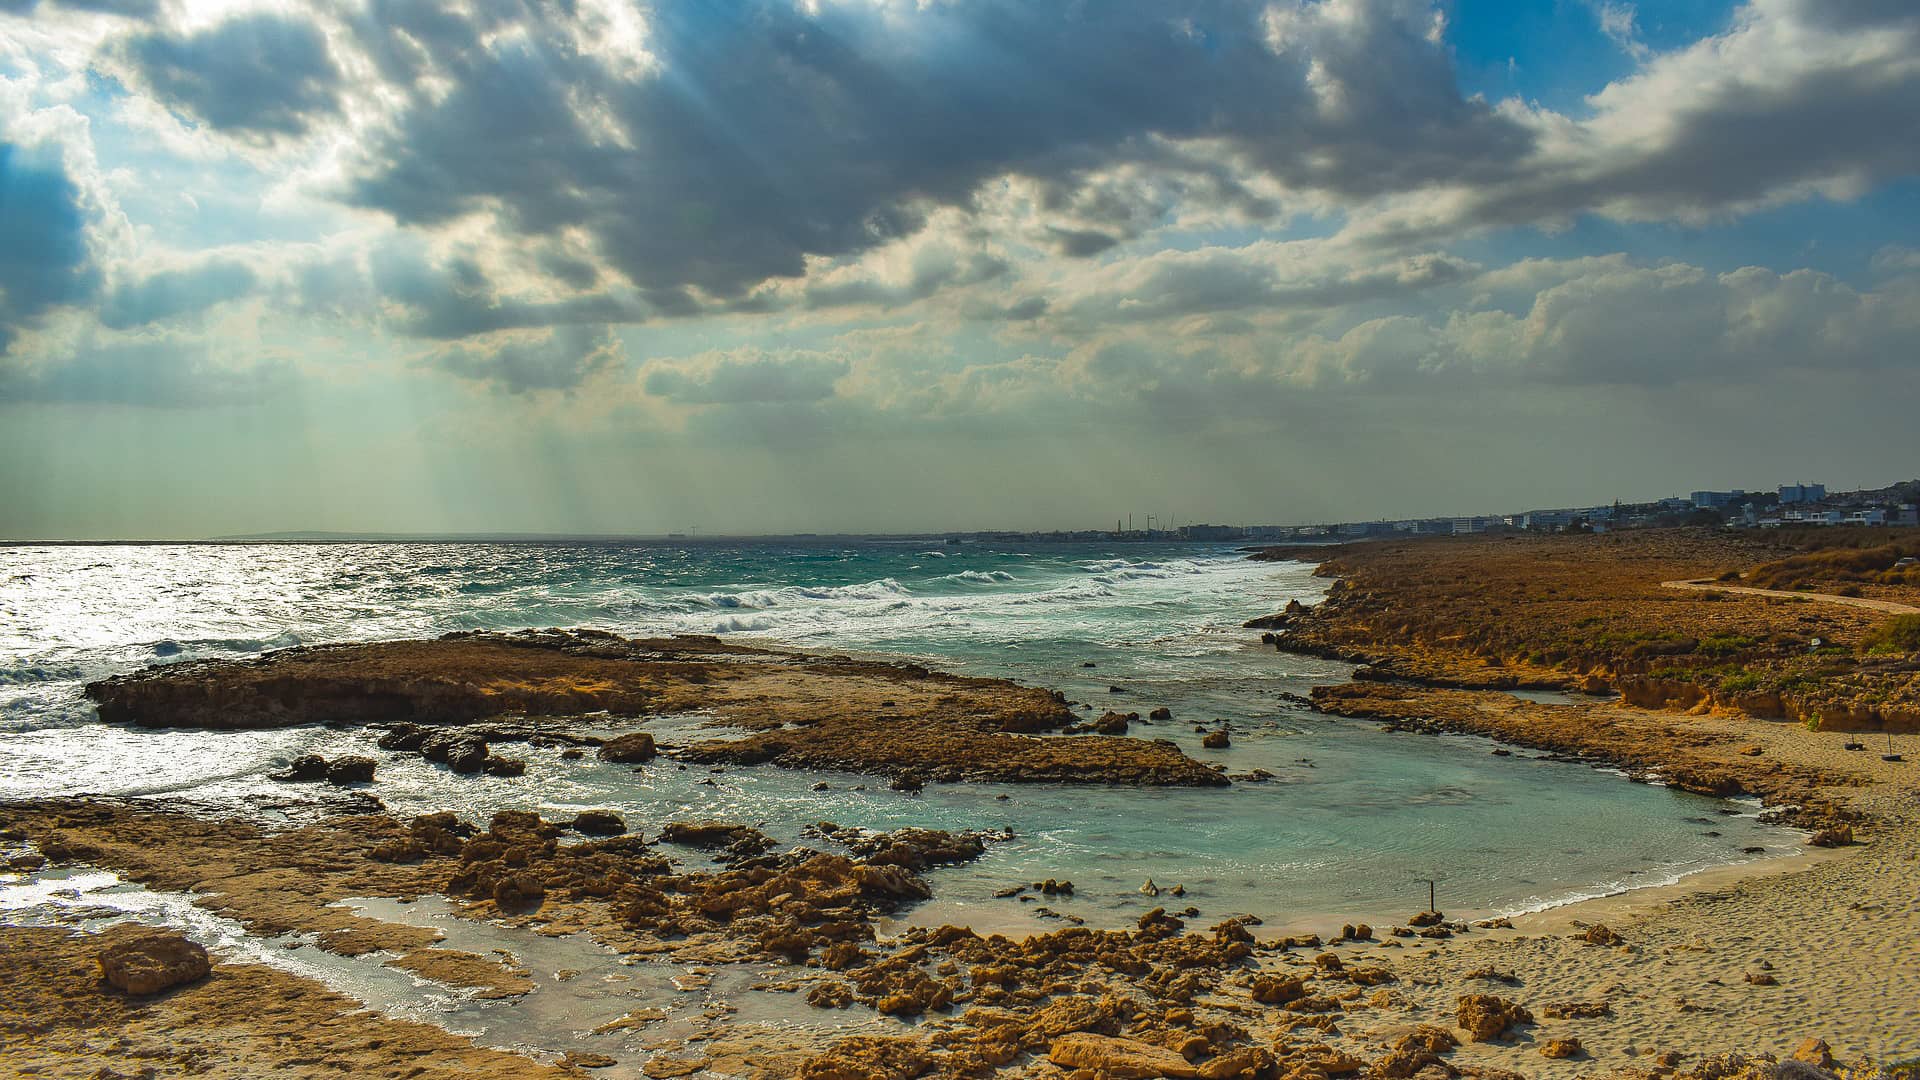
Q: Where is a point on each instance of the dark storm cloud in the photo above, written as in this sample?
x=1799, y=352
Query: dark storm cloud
x=171, y=294
x=458, y=299
x=764, y=134
x=561, y=360
x=257, y=74
x=44, y=260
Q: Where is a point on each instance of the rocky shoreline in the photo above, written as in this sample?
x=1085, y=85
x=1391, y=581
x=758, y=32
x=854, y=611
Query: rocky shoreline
x=453, y=699
x=1691, y=983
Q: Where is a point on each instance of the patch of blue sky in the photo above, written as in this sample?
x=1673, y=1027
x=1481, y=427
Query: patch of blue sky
x=1554, y=52
x=1838, y=238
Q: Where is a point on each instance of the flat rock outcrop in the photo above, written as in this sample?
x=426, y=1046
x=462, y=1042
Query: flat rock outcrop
x=445, y=698
x=150, y=961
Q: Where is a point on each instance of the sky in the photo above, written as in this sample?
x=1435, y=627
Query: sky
x=768, y=266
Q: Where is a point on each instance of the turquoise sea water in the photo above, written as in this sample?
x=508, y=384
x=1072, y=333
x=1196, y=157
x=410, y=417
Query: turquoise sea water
x=1352, y=823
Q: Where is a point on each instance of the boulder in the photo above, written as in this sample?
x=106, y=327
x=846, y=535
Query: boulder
x=629, y=749
x=599, y=823
x=152, y=961
x=504, y=766
x=304, y=769
x=1814, y=1052
x=1161, y=713
x=1119, y=1059
x=461, y=753
x=1216, y=740
x=1836, y=836
x=1599, y=934
x=1560, y=1048
x=1274, y=990
x=1114, y=723
x=1486, y=1017
x=350, y=770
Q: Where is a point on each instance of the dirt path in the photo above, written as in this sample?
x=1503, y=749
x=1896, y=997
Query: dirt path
x=1888, y=606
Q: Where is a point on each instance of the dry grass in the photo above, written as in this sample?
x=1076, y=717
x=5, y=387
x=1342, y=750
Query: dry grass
x=1590, y=612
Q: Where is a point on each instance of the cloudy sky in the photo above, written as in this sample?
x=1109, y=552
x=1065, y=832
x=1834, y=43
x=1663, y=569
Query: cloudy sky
x=773, y=265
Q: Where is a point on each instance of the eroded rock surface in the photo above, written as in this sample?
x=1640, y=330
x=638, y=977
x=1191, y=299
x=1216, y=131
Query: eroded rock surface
x=446, y=698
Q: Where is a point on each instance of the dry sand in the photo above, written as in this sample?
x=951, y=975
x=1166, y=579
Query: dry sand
x=1839, y=931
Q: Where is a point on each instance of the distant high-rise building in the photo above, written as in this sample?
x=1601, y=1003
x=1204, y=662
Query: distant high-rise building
x=1716, y=500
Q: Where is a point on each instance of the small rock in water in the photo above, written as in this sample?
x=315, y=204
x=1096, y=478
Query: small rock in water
x=630, y=749
x=350, y=770
x=1150, y=889
x=306, y=767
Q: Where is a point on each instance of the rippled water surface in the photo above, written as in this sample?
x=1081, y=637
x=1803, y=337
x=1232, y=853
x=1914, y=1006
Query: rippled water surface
x=1352, y=822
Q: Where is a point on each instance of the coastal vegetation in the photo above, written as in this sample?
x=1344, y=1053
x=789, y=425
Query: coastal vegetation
x=1594, y=613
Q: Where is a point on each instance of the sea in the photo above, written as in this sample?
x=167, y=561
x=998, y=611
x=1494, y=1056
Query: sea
x=1355, y=823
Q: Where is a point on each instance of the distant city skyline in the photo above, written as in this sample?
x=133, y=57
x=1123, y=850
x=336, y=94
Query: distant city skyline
x=863, y=266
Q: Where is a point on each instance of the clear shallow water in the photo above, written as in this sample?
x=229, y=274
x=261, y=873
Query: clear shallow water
x=1353, y=820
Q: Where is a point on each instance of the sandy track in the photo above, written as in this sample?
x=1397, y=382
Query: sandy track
x=1888, y=606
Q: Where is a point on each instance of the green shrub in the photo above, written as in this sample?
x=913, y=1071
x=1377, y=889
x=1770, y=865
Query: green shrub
x=1900, y=634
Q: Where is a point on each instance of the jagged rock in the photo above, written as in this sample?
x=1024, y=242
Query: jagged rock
x=1575, y=1010
x=1814, y=1052
x=1247, y=1061
x=870, y=1057
x=1274, y=990
x=303, y=769
x=1599, y=934
x=830, y=995
x=1486, y=1017
x=459, y=752
x=907, y=781
x=1413, y=1052
x=515, y=892
x=1114, y=723
x=598, y=823
x=503, y=766
x=1426, y=918
x=1560, y=1048
x=1492, y=974
x=629, y=749
x=152, y=961
x=350, y=770
x=1120, y=1059
x=1216, y=740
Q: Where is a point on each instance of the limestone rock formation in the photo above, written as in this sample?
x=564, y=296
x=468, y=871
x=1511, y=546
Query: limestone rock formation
x=150, y=961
